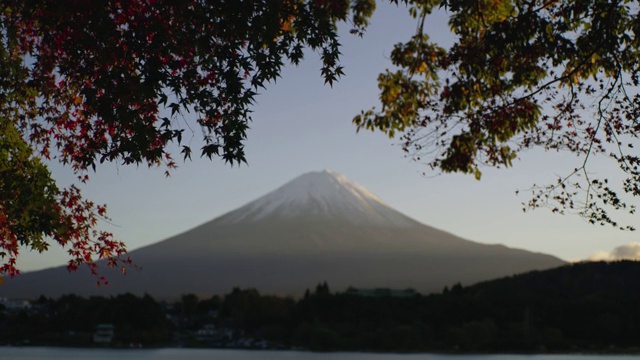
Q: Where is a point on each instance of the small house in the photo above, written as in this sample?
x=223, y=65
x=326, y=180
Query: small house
x=104, y=334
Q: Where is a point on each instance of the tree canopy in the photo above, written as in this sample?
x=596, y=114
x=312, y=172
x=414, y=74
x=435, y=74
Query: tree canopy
x=83, y=83
x=558, y=75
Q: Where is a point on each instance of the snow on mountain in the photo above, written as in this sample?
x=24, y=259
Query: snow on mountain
x=320, y=195
x=318, y=227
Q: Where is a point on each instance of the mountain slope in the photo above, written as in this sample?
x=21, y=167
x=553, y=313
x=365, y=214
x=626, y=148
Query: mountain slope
x=318, y=227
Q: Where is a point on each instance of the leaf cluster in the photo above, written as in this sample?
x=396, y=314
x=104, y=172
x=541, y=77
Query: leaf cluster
x=556, y=75
x=109, y=81
x=84, y=83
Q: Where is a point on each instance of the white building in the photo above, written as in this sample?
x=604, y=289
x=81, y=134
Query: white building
x=104, y=334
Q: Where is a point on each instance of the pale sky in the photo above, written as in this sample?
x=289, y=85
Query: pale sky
x=301, y=125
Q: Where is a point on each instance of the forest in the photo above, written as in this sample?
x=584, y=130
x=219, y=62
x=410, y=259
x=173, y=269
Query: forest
x=583, y=307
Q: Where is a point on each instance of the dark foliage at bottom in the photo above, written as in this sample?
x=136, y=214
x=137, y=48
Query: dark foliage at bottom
x=579, y=307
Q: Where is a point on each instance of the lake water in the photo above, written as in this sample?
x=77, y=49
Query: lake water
x=32, y=353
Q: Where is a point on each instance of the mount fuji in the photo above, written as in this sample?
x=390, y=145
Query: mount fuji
x=318, y=227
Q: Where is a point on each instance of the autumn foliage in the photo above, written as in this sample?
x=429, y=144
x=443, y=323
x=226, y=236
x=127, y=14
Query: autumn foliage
x=87, y=82
x=556, y=75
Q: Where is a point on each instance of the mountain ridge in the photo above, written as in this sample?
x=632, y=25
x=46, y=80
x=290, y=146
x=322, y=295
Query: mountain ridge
x=318, y=227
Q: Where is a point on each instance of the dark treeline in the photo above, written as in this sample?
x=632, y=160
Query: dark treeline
x=71, y=321
x=580, y=307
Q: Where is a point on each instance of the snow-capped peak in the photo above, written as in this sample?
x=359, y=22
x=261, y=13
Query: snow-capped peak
x=321, y=195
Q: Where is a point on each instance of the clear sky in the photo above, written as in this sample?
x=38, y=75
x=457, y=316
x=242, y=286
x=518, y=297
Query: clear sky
x=301, y=125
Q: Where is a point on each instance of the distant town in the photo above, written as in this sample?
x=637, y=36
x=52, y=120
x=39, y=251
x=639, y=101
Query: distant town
x=585, y=307
x=131, y=321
